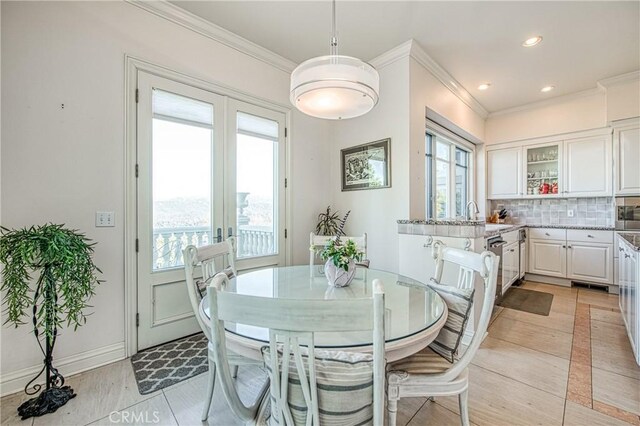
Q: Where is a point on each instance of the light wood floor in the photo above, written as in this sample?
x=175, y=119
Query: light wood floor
x=573, y=367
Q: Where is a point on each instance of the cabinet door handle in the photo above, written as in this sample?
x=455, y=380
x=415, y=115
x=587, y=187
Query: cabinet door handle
x=590, y=236
x=626, y=256
x=564, y=246
x=620, y=249
x=547, y=234
x=569, y=247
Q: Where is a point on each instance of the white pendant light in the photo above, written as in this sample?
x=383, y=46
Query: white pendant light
x=334, y=87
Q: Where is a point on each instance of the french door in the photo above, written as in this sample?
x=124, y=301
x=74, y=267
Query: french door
x=209, y=167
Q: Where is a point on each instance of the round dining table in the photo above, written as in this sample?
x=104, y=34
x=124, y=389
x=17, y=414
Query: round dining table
x=414, y=313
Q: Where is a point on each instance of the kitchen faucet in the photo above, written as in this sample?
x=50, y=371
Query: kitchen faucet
x=471, y=216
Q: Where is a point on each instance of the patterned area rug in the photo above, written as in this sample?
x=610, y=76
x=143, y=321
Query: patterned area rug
x=161, y=366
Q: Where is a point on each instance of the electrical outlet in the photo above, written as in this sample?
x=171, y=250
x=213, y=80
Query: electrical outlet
x=570, y=213
x=105, y=219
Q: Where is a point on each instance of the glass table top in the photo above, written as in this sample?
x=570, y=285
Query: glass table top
x=410, y=307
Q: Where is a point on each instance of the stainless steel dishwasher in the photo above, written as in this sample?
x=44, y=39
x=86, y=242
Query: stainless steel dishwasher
x=495, y=245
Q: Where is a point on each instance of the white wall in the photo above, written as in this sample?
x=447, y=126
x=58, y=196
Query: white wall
x=407, y=89
x=62, y=165
x=570, y=115
x=428, y=92
x=623, y=101
x=376, y=211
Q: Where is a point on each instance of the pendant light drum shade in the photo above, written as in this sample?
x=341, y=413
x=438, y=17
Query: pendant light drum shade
x=334, y=87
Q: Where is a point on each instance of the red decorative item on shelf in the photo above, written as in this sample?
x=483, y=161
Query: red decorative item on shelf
x=544, y=188
x=554, y=188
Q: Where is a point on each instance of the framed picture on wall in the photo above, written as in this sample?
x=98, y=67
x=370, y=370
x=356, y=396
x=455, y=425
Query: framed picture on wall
x=367, y=166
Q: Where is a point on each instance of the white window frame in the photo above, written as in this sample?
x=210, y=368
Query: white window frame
x=441, y=134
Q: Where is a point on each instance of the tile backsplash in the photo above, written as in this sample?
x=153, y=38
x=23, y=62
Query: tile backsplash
x=586, y=211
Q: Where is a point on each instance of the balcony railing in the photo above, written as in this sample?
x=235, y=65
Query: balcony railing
x=168, y=243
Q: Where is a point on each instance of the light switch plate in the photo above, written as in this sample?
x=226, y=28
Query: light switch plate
x=570, y=213
x=105, y=219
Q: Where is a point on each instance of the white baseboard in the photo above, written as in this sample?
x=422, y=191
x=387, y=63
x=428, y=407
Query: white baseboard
x=74, y=364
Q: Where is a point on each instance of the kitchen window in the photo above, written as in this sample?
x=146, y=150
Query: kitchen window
x=448, y=177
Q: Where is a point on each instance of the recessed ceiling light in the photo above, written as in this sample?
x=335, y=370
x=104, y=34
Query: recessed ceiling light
x=484, y=86
x=530, y=42
x=546, y=89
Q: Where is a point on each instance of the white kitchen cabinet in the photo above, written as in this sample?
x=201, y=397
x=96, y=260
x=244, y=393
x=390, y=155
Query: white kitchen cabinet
x=590, y=262
x=523, y=259
x=548, y=257
x=504, y=173
x=415, y=260
x=629, y=289
x=587, y=167
x=627, y=156
x=510, y=264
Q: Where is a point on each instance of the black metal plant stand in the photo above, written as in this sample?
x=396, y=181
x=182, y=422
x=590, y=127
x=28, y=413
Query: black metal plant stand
x=55, y=394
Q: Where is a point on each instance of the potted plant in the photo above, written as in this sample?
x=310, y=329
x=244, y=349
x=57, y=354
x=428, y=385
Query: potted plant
x=340, y=257
x=340, y=266
x=67, y=279
x=328, y=223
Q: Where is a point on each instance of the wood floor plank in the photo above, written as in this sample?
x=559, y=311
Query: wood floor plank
x=616, y=390
x=432, y=413
x=498, y=400
x=543, y=339
x=577, y=415
x=537, y=369
x=100, y=391
x=593, y=297
x=152, y=411
x=9, y=410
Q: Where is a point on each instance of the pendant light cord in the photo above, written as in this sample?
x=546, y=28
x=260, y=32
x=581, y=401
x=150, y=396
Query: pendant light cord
x=334, y=38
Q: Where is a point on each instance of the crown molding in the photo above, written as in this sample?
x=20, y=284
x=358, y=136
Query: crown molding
x=619, y=79
x=418, y=53
x=392, y=55
x=177, y=15
x=412, y=49
x=547, y=102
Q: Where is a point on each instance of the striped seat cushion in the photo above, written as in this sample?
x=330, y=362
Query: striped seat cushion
x=345, y=388
x=424, y=362
x=459, y=302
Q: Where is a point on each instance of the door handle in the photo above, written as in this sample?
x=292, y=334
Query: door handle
x=219, y=235
x=230, y=232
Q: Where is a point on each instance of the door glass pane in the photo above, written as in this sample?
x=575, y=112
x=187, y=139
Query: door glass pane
x=181, y=176
x=256, y=186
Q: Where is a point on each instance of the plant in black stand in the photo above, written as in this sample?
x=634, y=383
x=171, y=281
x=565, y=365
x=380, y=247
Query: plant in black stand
x=67, y=280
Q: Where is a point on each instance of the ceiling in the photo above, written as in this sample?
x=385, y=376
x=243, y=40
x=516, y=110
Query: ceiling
x=475, y=42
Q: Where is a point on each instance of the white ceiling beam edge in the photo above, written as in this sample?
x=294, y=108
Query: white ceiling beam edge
x=601, y=87
x=619, y=79
x=413, y=49
x=177, y=15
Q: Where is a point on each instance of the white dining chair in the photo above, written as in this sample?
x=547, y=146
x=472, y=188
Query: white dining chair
x=429, y=374
x=307, y=386
x=317, y=242
x=200, y=268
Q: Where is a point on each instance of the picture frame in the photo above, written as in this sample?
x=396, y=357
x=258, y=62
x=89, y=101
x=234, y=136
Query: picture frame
x=366, y=166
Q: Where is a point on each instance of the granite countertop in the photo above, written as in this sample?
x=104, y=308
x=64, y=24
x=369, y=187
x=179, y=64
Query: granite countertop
x=632, y=239
x=585, y=227
x=475, y=228
x=460, y=222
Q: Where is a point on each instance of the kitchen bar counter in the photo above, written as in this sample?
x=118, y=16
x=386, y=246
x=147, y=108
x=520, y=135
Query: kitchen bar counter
x=476, y=228
x=633, y=240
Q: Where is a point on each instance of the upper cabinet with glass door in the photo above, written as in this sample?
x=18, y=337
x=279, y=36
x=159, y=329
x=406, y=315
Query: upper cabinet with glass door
x=543, y=170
